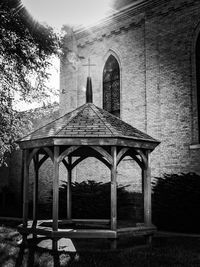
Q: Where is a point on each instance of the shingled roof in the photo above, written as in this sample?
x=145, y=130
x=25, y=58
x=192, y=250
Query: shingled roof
x=88, y=121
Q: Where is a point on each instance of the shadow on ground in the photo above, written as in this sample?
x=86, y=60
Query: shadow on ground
x=165, y=251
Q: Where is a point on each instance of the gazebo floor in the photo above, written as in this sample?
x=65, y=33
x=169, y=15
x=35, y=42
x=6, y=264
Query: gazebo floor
x=87, y=229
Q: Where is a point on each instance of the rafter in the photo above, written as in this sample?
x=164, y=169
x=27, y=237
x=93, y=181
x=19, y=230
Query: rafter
x=49, y=152
x=31, y=155
x=104, y=153
x=121, y=154
x=68, y=151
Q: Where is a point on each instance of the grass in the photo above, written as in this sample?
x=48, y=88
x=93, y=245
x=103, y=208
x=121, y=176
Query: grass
x=165, y=251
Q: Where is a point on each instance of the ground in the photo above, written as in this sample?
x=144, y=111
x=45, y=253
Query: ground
x=165, y=251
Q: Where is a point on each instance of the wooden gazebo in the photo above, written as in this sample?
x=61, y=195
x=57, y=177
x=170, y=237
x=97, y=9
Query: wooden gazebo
x=87, y=131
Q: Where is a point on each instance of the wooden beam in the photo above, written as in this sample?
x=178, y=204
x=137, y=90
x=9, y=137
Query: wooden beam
x=65, y=164
x=121, y=154
x=85, y=221
x=84, y=233
x=103, y=160
x=55, y=188
x=146, y=177
x=114, y=189
x=68, y=151
x=69, y=190
x=104, y=153
x=35, y=189
x=49, y=152
x=134, y=157
x=76, y=162
x=143, y=156
x=136, y=231
x=25, y=188
x=96, y=155
x=42, y=161
x=90, y=141
x=31, y=155
x=22, y=184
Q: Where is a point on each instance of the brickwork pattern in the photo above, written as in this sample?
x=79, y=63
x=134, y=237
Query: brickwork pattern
x=154, y=48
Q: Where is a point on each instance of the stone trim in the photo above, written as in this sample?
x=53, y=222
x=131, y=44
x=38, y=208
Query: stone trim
x=126, y=12
x=91, y=40
x=131, y=16
x=195, y=146
x=194, y=106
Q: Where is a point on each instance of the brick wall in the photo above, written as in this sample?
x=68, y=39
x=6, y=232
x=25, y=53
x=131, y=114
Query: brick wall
x=155, y=48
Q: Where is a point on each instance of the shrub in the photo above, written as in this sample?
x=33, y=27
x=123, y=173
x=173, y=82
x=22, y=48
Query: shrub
x=91, y=199
x=9, y=205
x=176, y=202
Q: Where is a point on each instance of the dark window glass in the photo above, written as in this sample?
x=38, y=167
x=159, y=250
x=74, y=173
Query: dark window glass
x=111, y=86
x=198, y=79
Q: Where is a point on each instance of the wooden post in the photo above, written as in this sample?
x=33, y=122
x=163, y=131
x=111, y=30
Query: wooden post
x=22, y=185
x=69, y=193
x=146, y=177
x=35, y=190
x=114, y=189
x=25, y=189
x=55, y=188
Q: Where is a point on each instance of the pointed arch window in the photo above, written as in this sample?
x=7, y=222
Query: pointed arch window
x=198, y=79
x=111, y=86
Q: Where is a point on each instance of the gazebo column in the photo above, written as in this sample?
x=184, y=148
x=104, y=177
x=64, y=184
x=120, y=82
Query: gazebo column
x=25, y=188
x=25, y=191
x=147, y=191
x=114, y=189
x=22, y=184
x=146, y=177
x=35, y=190
x=69, y=192
x=55, y=193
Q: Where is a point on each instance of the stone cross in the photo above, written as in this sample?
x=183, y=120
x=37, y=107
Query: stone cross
x=89, y=65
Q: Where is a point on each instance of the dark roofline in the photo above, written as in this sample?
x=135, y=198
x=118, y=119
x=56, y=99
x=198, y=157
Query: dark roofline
x=19, y=140
x=90, y=141
x=127, y=11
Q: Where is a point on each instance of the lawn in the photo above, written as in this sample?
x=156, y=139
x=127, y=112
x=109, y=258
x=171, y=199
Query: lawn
x=165, y=251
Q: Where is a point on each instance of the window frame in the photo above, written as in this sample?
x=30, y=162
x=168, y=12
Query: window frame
x=112, y=81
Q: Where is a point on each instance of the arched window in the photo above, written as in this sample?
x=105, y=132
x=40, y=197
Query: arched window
x=198, y=79
x=111, y=86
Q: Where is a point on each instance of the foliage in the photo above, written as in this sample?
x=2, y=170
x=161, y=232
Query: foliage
x=91, y=199
x=176, y=202
x=165, y=251
x=12, y=126
x=9, y=205
x=25, y=50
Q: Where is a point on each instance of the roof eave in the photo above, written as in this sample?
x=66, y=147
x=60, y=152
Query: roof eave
x=89, y=141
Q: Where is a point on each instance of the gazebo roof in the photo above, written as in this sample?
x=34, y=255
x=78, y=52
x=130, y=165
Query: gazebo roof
x=88, y=125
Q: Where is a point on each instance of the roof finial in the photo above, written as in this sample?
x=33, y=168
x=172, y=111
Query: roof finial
x=89, y=97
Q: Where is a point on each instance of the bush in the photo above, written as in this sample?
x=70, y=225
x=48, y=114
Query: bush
x=10, y=206
x=91, y=199
x=176, y=202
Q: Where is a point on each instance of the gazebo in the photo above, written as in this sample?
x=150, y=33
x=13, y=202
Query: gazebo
x=87, y=131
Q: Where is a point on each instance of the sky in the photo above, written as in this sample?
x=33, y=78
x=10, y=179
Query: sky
x=53, y=82
x=72, y=12
x=57, y=13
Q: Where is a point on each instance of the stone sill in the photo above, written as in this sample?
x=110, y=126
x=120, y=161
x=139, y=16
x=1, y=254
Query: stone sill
x=195, y=146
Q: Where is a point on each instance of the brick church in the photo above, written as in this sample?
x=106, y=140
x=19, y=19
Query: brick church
x=145, y=70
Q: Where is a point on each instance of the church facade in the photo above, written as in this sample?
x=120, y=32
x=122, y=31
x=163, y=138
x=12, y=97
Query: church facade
x=144, y=62
x=145, y=69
